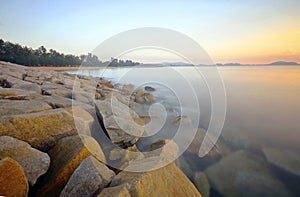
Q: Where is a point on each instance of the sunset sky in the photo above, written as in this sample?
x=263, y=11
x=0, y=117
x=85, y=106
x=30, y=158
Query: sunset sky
x=258, y=31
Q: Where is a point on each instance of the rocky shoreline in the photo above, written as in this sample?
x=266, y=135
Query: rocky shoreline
x=59, y=138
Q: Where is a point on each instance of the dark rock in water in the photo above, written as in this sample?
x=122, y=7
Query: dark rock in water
x=202, y=184
x=244, y=174
x=149, y=88
x=34, y=162
x=122, y=124
x=90, y=177
x=284, y=159
x=66, y=156
x=13, y=181
x=184, y=120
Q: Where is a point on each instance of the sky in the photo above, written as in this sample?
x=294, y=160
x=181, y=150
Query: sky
x=257, y=31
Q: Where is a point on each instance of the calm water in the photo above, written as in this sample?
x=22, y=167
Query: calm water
x=263, y=108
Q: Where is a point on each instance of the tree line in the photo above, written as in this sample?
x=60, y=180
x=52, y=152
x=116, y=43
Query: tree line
x=15, y=53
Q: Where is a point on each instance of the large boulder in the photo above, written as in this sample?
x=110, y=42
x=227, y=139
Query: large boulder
x=244, y=174
x=13, y=181
x=41, y=130
x=166, y=181
x=122, y=124
x=118, y=191
x=34, y=162
x=15, y=94
x=90, y=177
x=66, y=156
x=284, y=159
x=8, y=107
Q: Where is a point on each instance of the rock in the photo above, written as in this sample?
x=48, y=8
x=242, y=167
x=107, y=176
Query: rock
x=34, y=162
x=41, y=130
x=140, y=99
x=13, y=181
x=66, y=156
x=83, y=120
x=166, y=181
x=219, y=149
x=122, y=124
x=83, y=97
x=90, y=177
x=202, y=184
x=139, y=93
x=284, y=159
x=8, y=107
x=31, y=87
x=149, y=88
x=118, y=191
x=244, y=174
x=149, y=98
x=57, y=101
x=14, y=94
x=57, y=90
x=167, y=149
x=120, y=158
x=7, y=81
x=184, y=120
x=183, y=165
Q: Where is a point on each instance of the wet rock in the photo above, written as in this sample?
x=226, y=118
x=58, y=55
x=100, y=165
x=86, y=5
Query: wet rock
x=166, y=181
x=149, y=98
x=284, y=159
x=34, y=162
x=244, y=174
x=218, y=150
x=90, y=177
x=13, y=181
x=202, y=184
x=41, y=130
x=184, y=120
x=66, y=156
x=149, y=88
x=139, y=93
x=122, y=124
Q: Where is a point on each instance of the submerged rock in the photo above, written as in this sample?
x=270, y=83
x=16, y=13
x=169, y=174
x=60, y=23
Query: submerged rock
x=166, y=181
x=41, y=130
x=66, y=156
x=284, y=159
x=13, y=181
x=90, y=177
x=202, y=184
x=34, y=162
x=244, y=174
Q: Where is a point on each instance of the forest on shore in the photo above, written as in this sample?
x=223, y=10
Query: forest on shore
x=15, y=53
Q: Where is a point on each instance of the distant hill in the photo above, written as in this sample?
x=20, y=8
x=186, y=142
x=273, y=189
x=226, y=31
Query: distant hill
x=283, y=63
